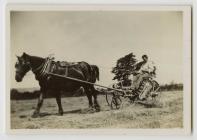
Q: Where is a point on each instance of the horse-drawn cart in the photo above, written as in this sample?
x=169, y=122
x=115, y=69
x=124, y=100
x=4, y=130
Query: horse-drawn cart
x=148, y=89
x=53, y=76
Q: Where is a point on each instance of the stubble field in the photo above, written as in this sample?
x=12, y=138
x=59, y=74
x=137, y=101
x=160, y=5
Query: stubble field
x=167, y=114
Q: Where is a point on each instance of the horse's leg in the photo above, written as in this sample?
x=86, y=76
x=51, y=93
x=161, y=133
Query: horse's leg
x=90, y=100
x=96, y=104
x=89, y=95
x=40, y=102
x=58, y=99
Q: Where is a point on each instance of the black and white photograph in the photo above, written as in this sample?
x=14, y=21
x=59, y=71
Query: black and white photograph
x=99, y=67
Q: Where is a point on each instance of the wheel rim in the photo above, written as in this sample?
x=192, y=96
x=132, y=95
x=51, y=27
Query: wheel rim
x=116, y=102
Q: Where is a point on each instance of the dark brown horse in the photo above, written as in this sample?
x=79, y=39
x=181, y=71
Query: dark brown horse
x=80, y=70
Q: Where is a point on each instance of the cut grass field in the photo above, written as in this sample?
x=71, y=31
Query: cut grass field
x=167, y=114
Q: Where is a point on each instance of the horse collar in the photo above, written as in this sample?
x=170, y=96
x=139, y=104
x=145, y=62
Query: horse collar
x=39, y=67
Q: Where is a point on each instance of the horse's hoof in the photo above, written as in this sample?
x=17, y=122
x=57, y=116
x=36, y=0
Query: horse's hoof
x=35, y=115
x=91, y=108
x=98, y=109
x=60, y=114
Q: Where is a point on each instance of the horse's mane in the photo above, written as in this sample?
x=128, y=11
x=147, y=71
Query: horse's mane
x=36, y=57
x=36, y=60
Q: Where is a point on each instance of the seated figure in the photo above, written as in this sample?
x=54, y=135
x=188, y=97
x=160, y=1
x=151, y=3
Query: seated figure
x=143, y=69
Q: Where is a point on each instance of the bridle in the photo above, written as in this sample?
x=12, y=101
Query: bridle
x=41, y=70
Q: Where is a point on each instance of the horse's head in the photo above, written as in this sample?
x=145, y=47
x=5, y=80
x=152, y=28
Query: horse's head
x=22, y=67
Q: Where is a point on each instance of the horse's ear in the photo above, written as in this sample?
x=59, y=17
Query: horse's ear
x=18, y=57
x=24, y=54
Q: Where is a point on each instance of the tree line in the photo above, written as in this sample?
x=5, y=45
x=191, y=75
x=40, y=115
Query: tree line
x=171, y=87
x=15, y=94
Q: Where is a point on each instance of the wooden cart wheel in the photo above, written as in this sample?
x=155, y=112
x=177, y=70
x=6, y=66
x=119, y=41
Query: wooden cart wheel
x=107, y=99
x=116, y=102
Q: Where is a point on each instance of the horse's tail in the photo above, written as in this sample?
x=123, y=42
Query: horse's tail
x=96, y=71
x=91, y=72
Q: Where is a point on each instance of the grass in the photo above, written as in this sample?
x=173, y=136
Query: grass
x=167, y=113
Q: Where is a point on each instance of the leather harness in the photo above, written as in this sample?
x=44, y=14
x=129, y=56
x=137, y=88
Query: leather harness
x=49, y=66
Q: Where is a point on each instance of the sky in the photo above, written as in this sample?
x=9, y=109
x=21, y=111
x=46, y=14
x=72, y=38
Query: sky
x=100, y=38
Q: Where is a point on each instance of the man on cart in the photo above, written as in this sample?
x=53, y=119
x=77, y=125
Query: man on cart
x=143, y=69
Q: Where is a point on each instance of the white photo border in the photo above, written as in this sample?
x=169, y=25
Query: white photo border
x=187, y=59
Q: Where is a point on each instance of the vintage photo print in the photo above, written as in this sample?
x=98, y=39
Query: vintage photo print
x=98, y=69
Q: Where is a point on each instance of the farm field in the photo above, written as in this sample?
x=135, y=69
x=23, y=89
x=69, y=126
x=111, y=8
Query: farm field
x=167, y=114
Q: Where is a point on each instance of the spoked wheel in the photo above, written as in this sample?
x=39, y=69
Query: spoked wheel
x=151, y=101
x=145, y=92
x=116, y=102
x=107, y=99
x=155, y=93
x=113, y=99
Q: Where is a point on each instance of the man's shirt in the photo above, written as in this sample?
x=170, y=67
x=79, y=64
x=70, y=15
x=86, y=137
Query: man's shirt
x=149, y=67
